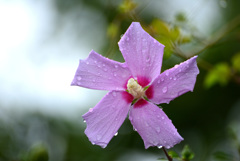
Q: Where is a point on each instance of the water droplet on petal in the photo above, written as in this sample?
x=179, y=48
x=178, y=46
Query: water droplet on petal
x=167, y=146
x=158, y=81
x=164, y=90
x=127, y=38
x=114, y=94
x=165, y=141
x=116, y=66
x=167, y=73
x=84, y=121
x=78, y=83
x=180, y=70
x=116, y=134
x=174, y=78
x=87, y=62
x=158, y=129
x=79, y=78
x=99, y=65
x=134, y=129
x=90, y=109
x=163, y=117
x=93, y=143
x=162, y=79
x=103, y=65
x=95, y=62
x=99, y=137
x=170, y=78
x=159, y=147
x=114, y=74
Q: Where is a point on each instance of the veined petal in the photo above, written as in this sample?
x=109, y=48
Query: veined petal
x=104, y=120
x=142, y=53
x=98, y=72
x=153, y=125
x=174, y=82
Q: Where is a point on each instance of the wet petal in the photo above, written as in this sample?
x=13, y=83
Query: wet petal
x=174, y=82
x=142, y=53
x=98, y=72
x=104, y=120
x=153, y=125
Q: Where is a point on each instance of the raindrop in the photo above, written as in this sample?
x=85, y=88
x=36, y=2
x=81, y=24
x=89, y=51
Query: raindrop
x=163, y=117
x=155, y=41
x=116, y=66
x=176, y=66
x=79, y=78
x=78, y=83
x=167, y=73
x=167, y=146
x=84, y=121
x=170, y=78
x=99, y=137
x=158, y=129
x=99, y=65
x=103, y=65
x=180, y=70
x=158, y=81
x=130, y=118
x=164, y=90
x=90, y=109
x=114, y=94
x=93, y=143
x=87, y=62
x=116, y=134
x=95, y=62
x=114, y=74
x=174, y=78
x=134, y=129
x=127, y=38
x=159, y=147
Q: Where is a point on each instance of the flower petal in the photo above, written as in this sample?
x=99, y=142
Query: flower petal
x=98, y=72
x=104, y=120
x=174, y=82
x=142, y=53
x=153, y=125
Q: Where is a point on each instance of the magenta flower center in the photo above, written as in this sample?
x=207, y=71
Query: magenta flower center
x=136, y=90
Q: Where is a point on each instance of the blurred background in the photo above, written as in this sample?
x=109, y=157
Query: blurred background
x=41, y=43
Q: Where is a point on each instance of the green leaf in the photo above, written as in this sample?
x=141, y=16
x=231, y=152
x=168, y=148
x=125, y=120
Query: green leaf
x=181, y=17
x=127, y=6
x=222, y=156
x=187, y=154
x=173, y=154
x=175, y=33
x=38, y=153
x=160, y=28
x=220, y=74
x=112, y=30
x=236, y=62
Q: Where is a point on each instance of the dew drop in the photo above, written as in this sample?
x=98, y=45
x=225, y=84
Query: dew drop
x=116, y=134
x=116, y=66
x=114, y=74
x=79, y=78
x=170, y=78
x=158, y=129
x=174, y=78
x=180, y=70
x=78, y=83
x=103, y=65
x=114, y=94
x=164, y=90
x=90, y=109
x=158, y=81
x=99, y=65
x=84, y=121
x=163, y=117
x=167, y=73
x=134, y=129
x=95, y=62
x=99, y=137
x=87, y=62
x=93, y=143
x=167, y=146
x=159, y=147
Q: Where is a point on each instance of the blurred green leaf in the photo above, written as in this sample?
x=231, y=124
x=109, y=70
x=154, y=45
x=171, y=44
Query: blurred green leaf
x=222, y=156
x=38, y=153
x=173, y=154
x=112, y=30
x=160, y=28
x=236, y=62
x=187, y=154
x=181, y=17
x=220, y=74
x=127, y=6
x=175, y=33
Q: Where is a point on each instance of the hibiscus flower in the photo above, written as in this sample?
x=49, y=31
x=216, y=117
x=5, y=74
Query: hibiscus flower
x=135, y=87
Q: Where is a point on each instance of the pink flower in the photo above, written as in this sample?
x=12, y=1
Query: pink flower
x=137, y=81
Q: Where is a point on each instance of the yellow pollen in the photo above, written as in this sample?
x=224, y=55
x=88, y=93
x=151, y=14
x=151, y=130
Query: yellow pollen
x=135, y=89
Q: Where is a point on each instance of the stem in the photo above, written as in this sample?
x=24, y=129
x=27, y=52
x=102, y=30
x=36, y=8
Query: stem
x=169, y=158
